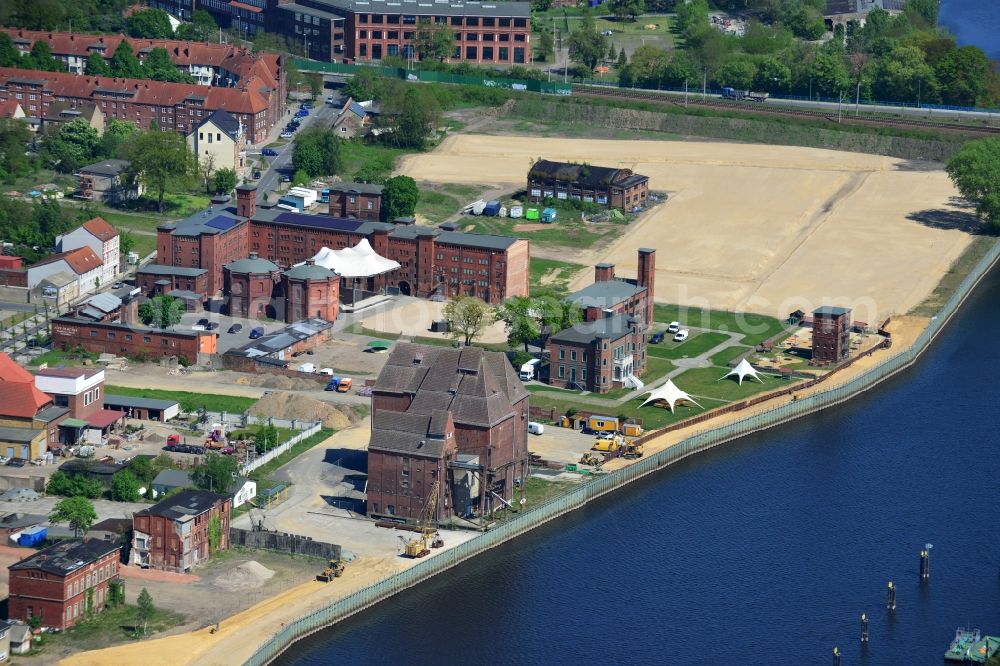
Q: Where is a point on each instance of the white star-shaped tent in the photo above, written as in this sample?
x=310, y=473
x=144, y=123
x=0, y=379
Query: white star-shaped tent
x=668, y=393
x=744, y=369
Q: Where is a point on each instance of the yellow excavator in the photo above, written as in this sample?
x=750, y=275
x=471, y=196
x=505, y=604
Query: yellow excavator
x=428, y=536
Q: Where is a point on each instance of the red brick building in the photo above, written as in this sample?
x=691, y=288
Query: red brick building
x=61, y=583
x=422, y=396
x=359, y=200
x=612, y=294
x=598, y=355
x=172, y=535
x=607, y=186
x=310, y=291
x=101, y=337
x=432, y=261
x=249, y=284
x=157, y=279
x=831, y=334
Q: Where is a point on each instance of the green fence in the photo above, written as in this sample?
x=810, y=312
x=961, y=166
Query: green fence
x=599, y=486
x=528, y=85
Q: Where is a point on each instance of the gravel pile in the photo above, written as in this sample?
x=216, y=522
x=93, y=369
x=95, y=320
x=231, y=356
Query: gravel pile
x=247, y=576
x=283, y=405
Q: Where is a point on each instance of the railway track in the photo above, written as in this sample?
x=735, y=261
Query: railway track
x=770, y=110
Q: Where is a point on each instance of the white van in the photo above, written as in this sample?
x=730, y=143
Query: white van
x=529, y=370
x=535, y=428
x=307, y=367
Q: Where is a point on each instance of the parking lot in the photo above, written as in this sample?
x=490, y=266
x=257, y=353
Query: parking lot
x=227, y=340
x=562, y=445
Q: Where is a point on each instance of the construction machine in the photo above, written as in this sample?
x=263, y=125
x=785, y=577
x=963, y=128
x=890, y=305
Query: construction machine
x=334, y=570
x=609, y=444
x=592, y=459
x=632, y=450
x=428, y=536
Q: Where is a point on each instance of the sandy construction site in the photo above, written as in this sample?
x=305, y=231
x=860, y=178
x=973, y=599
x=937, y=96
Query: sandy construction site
x=767, y=229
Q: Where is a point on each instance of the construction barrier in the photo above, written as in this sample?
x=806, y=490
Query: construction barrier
x=601, y=485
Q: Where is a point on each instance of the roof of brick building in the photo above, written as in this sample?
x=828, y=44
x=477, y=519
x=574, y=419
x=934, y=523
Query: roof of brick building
x=18, y=395
x=68, y=556
x=100, y=228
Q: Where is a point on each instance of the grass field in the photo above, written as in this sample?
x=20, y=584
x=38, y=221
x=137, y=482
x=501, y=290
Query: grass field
x=563, y=233
x=356, y=154
x=552, y=273
x=113, y=625
x=723, y=358
x=190, y=402
x=57, y=357
x=439, y=202
x=755, y=328
x=693, y=346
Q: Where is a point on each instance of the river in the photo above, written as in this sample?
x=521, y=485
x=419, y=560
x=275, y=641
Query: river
x=974, y=22
x=765, y=551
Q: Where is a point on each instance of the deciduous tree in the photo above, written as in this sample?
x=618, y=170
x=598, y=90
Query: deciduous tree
x=71, y=146
x=124, y=64
x=434, y=41
x=627, y=9
x=519, y=321
x=96, y=65
x=144, y=609
x=586, y=45
x=399, y=197
x=149, y=24
x=161, y=311
x=77, y=512
x=215, y=473
x=225, y=180
x=159, y=160
x=467, y=317
x=41, y=58
x=975, y=170
x=124, y=487
x=202, y=27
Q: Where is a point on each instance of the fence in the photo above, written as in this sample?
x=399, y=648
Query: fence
x=240, y=419
x=277, y=451
x=602, y=485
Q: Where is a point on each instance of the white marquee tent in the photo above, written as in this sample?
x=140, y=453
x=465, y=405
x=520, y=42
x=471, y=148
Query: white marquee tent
x=744, y=369
x=670, y=394
x=355, y=262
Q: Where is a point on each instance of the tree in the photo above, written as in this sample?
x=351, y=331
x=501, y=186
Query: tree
x=586, y=45
x=647, y=67
x=96, y=65
x=124, y=487
x=904, y=74
x=158, y=160
x=149, y=24
x=467, y=317
x=159, y=67
x=14, y=136
x=161, y=311
x=214, y=534
x=124, y=64
x=736, y=72
x=41, y=58
x=142, y=468
x=963, y=73
x=71, y=146
x=315, y=81
x=417, y=119
x=215, y=473
x=546, y=46
x=363, y=85
x=399, y=197
x=629, y=9
x=225, y=180
x=202, y=27
x=622, y=59
x=144, y=608
x=829, y=75
x=519, y=321
x=317, y=152
x=78, y=512
x=300, y=177
x=9, y=55
x=975, y=170
x=554, y=313
x=434, y=41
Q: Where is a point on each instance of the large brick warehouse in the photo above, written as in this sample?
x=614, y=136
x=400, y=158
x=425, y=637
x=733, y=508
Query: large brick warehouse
x=432, y=261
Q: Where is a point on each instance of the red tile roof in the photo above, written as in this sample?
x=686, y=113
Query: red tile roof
x=9, y=108
x=100, y=228
x=157, y=93
x=18, y=395
x=105, y=418
x=81, y=261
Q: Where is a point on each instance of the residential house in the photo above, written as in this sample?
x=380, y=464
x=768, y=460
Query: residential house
x=169, y=480
x=82, y=262
x=355, y=118
x=599, y=355
x=607, y=186
x=360, y=200
x=242, y=490
x=102, y=181
x=63, y=583
x=29, y=419
x=100, y=237
x=5, y=627
x=173, y=535
x=60, y=113
x=219, y=142
x=433, y=404
x=82, y=391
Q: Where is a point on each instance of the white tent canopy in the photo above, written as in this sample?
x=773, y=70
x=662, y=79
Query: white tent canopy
x=355, y=262
x=744, y=369
x=668, y=393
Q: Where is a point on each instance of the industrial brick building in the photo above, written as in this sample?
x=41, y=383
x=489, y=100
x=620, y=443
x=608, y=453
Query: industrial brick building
x=360, y=200
x=607, y=186
x=599, y=355
x=432, y=261
x=612, y=294
x=251, y=87
x=62, y=583
x=455, y=416
x=103, y=337
x=172, y=535
x=831, y=334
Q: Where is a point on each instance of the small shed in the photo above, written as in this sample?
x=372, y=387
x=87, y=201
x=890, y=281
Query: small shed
x=516, y=211
x=243, y=490
x=549, y=215
x=171, y=479
x=478, y=207
x=531, y=214
x=20, y=639
x=33, y=536
x=492, y=208
x=502, y=212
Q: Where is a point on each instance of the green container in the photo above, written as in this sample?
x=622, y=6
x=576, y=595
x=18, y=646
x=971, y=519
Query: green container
x=531, y=214
x=571, y=467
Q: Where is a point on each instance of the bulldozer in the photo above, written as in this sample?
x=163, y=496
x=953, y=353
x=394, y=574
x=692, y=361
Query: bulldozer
x=334, y=570
x=428, y=535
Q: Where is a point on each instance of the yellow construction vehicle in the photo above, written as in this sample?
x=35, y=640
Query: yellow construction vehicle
x=334, y=570
x=608, y=444
x=632, y=450
x=592, y=459
x=419, y=546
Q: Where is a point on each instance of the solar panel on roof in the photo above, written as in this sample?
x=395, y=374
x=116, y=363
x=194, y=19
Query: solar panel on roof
x=319, y=221
x=221, y=222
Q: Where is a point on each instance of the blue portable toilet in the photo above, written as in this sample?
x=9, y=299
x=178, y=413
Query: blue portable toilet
x=32, y=536
x=492, y=208
x=549, y=215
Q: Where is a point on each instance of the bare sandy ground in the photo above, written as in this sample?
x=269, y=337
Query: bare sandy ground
x=414, y=318
x=765, y=229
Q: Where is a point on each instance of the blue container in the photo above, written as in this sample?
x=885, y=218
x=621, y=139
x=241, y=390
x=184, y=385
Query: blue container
x=32, y=536
x=492, y=208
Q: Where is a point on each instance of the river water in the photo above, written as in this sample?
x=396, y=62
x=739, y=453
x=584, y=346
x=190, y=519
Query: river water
x=764, y=551
x=975, y=22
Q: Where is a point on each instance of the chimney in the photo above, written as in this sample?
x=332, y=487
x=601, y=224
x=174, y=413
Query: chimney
x=604, y=272
x=246, y=200
x=646, y=277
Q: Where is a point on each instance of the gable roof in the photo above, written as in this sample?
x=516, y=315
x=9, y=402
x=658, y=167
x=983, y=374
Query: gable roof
x=225, y=121
x=410, y=432
x=9, y=108
x=81, y=261
x=173, y=478
x=111, y=167
x=585, y=174
x=608, y=328
x=66, y=557
x=18, y=395
x=100, y=228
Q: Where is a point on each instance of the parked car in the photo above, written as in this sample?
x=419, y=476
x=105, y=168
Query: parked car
x=656, y=338
x=329, y=99
x=257, y=332
x=270, y=152
x=236, y=328
x=256, y=175
x=211, y=326
x=535, y=428
x=301, y=113
x=117, y=285
x=608, y=33
x=17, y=462
x=203, y=322
x=674, y=327
x=285, y=135
x=682, y=335
x=285, y=178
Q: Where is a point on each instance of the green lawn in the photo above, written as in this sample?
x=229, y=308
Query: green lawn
x=190, y=402
x=562, y=233
x=56, y=358
x=356, y=154
x=755, y=328
x=436, y=206
x=113, y=625
x=708, y=382
x=693, y=346
x=723, y=358
x=557, y=274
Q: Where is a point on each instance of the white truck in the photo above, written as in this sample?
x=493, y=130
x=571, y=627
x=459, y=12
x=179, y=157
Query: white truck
x=307, y=367
x=529, y=370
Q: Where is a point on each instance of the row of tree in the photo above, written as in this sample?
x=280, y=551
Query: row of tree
x=902, y=58
x=409, y=115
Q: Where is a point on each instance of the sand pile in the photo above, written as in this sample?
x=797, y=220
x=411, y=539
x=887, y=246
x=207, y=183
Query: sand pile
x=281, y=405
x=247, y=576
x=154, y=438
